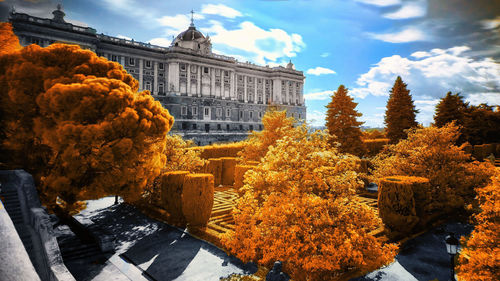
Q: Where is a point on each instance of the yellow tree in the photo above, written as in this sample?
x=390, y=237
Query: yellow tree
x=400, y=113
x=342, y=124
x=83, y=123
x=480, y=258
x=276, y=125
x=299, y=206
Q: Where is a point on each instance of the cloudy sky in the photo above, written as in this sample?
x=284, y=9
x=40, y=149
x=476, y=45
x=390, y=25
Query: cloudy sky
x=436, y=46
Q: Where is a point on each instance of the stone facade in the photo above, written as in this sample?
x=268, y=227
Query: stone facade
x=212, y=97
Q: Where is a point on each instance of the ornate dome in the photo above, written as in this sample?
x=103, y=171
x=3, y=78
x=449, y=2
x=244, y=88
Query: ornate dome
x=190, y=34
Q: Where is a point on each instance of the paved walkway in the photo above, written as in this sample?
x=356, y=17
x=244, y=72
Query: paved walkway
x=422, y=258
x=151, y=250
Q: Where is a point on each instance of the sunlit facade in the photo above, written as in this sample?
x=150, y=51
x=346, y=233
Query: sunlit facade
x=212, y=97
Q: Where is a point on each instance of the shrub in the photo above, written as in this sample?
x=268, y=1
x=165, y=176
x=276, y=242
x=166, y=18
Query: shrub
x=431, y=153
x=397, y=202
x=180, y=156
x=480, y=259
x=214, y=167
x=228, y=166
x=171, y=195
x=220, y=150
x=239, y=174
x=198, y=198
x=374, y=146
x=299, y=207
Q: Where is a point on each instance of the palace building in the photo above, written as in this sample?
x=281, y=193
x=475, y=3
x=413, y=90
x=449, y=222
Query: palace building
x=212, y=97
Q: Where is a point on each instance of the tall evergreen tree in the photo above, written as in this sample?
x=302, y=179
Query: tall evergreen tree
x=342, y=124
x=400, y=113
x=450, y=108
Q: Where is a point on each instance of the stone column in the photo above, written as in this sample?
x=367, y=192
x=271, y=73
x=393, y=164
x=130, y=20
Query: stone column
x=232, y=88
x=255, y=90
x=141, y=74
x=198, y=81
x=122, y=61
x=245, y=89
x=212, y=82
x=222, y=89
x=276, y=91
x=173, y=77
x=188, y=83
x=155, y=77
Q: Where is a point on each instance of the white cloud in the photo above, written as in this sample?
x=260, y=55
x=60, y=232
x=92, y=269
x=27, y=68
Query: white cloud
x=124, y=37
x=410, y=34
x=316, y=118
x=373, y=120
x=322, y=95
x=491, y=23
x=160, y=41
x=432, y=74
x=174, y=24
x=324, y=55
x=420, y=54
x=220, y=10
x=254, y=43
x=413, y=9
x=381, y=3
x=320, y=71
x=488, y=98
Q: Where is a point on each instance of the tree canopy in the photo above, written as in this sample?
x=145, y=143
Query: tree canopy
x=400, y=113
x=342, y=124
x=77, y=122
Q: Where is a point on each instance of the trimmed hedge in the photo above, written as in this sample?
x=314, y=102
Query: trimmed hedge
x=214, y=167
x=374, y=146
x=220, y=150
x=198, y=199
x=171, y=195
x=228, y=165
x=401, y=202
x=239, y=173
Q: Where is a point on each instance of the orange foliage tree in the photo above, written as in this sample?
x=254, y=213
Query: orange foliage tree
x=342, y=124
x=299, y=207
x=400, y=112
x=276, y=125
x=431, y=153
x=81, y=124
x=480, y=259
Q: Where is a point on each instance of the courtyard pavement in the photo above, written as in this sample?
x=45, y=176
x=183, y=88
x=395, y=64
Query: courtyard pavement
x=422, y=258
x=151, y=250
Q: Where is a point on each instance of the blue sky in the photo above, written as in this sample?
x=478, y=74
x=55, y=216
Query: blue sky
x=436, y=46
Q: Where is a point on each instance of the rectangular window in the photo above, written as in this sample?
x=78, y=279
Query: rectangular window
x=251, y=127
x=131, y=61
x=251, y=114
x=219, y=127
x=148, y=64
x=148, y=86
x=207, y=111
x=241, y=114
x=226, y=73
x=183, y=110
x=160, y=88
x=227, y=127
x=183, y=66
x=160, y=65
x=300, y=116
x=194, y=127
x=219, y=112
x=114, y=58
x=228, y=112
x=260, y=114
x=205, y=70
x=194, y=109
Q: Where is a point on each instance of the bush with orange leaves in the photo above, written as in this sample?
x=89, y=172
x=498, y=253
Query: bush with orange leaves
x=431, y=153
x=77, y=122
x=276, y=126
x=480, y=259
x=299, y=207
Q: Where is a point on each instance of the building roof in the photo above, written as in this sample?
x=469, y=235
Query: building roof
x=190, y=34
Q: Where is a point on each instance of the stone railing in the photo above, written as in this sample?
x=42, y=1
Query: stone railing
x=47, y=256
